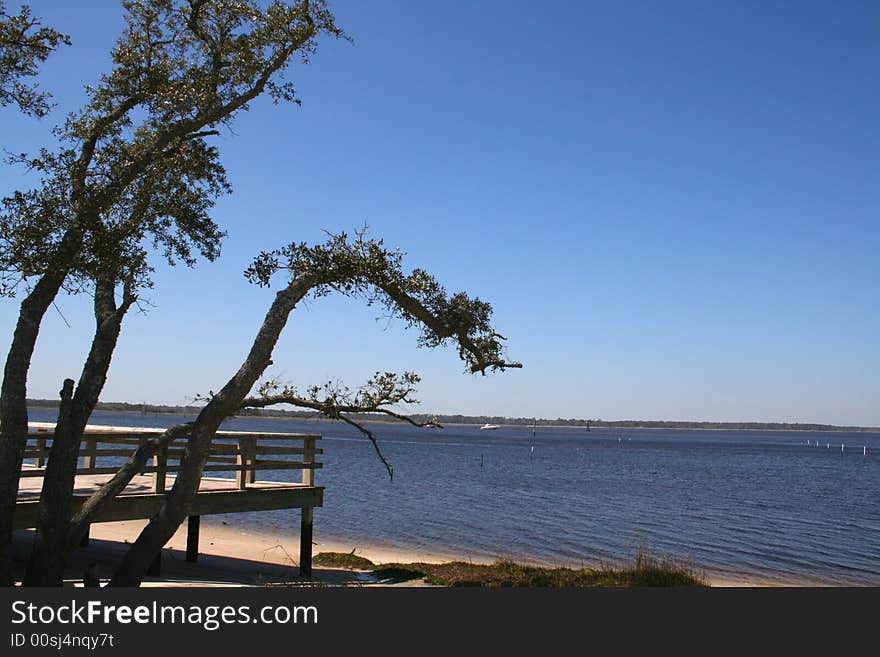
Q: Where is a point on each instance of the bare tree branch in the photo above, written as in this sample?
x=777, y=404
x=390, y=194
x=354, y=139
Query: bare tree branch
x=382, y=390
x=369, y=434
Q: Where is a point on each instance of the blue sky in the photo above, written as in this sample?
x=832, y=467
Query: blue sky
x=672, y=207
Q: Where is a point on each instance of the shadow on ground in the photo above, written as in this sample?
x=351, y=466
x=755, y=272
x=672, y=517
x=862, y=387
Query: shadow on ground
x=210, y=570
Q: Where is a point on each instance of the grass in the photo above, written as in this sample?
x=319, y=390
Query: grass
x=644, y=570
x=342, y=560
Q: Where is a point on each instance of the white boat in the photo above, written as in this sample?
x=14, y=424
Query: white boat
x=489, y=427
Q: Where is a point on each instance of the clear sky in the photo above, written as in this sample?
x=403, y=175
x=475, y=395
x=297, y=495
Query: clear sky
x=673, y=207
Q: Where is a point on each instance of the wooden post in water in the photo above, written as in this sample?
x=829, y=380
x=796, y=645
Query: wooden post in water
x=192, y=538
x=307, y=523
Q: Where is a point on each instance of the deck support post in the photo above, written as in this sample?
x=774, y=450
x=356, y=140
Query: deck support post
x=192, y=538
x=305, y=542
x=155, y=569
x=305, y=534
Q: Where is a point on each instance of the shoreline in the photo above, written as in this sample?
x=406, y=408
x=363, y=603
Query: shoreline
x=832, y=429
x=235, y=554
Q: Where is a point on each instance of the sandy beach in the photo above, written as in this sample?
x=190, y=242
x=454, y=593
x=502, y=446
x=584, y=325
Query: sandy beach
x=229, y=556
x=237, y=555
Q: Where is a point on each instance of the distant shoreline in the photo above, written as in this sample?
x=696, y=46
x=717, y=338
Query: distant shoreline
x=464, y=420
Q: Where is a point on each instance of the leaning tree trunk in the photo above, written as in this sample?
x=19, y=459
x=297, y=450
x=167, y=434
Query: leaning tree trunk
x=62, y=460
x=13, y=408
x=225, y=403
x=79, y=523
x=46, y=565
x=349, y=269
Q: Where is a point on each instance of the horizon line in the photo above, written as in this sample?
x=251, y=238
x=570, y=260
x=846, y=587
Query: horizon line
x=267, y=412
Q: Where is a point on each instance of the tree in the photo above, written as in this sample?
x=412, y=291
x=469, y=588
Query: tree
x=122, y=262
x=133, y=166
x=361, y=268
x=24, y=45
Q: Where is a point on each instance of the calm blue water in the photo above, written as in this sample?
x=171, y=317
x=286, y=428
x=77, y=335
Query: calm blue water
x=758, y=505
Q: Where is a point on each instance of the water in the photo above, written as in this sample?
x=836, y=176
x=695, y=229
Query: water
x=761, y=506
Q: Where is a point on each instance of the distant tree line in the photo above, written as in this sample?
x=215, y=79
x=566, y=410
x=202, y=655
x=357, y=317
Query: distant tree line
x=125, y=407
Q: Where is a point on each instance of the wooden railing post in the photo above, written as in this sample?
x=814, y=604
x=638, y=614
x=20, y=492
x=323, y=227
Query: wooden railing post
x=307, y=520
x=142, y=440
x=160, y=461
x=308, y=478
x=252, y=461
x=247, y=472
x=89, y=452
x=41, y=447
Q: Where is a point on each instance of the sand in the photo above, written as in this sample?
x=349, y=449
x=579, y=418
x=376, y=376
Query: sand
x=228, y=556
x=236, y=555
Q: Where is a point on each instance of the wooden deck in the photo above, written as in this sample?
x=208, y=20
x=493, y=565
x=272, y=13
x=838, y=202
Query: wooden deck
x=243, y=454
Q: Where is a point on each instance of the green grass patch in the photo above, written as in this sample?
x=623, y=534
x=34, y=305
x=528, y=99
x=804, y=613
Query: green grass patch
x=342, y=560
x=396, y=572
x=644, y=570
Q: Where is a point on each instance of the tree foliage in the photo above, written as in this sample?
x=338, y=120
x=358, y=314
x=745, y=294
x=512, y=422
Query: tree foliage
x=364, y=268
x=24, y=45
x=134, y=163
x=166, y=210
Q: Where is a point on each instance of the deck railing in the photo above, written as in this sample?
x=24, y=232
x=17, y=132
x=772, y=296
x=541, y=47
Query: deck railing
x=243, y=453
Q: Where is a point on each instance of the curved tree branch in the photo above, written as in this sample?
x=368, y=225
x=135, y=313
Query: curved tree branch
x=332, y=408
x=352, y=269
x=79, y=523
